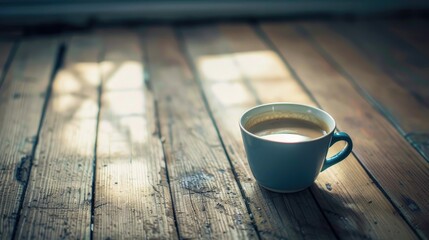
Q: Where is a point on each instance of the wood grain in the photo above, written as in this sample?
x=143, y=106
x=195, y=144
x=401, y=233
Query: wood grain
x=408, y=69
x=369, y=213
x=21, y=101
x=57, y=203
x=276, y=84
x=132, y=198
x=411, y=59
x=407, y=114
x=412, y=31
x=168, y=112
x=378, y=146
x=207, y=198
x=226, y=84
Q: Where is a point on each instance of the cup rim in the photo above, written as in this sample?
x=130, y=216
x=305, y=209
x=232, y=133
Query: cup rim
x=287, y=103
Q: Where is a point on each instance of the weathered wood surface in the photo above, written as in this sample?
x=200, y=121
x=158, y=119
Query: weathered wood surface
x=412, y=31
x=22, y=96
x=385, y=52
x=229, y=94
x=414, y=61
x=132, y=198
x=337, y=195
x=392, y=162
x=58, y=200
x=165, y=159
x=206, y=195
x=409, y=115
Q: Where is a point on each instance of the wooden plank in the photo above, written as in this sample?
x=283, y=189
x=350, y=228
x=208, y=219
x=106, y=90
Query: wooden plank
x=409, y=68
x=132, y=197
x=355, y=207
x=270, y=81
x=414, y=32
x=21, y=101
x=229, y=94
x=378, y=146
x=206, y=195
x=405, y=64
x=58, y=200
x=407, y=114
x=414, y=61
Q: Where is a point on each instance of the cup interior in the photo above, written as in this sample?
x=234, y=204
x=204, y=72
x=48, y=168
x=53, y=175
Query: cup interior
x=266, y=112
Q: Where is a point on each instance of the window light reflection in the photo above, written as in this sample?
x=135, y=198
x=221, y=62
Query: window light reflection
x=262, y=65
x=74, y=99
x=66, y=82
x=230, y=67
x=123, y=103
x=73, y=95
x=78, y=135
x=107, y=68
x=136, y=127
x=219, y=68
x=111, y=141
x=228, y=76
x=87, y=72
x=230, y=94
x=88, y=108
x=127, y=75
x=65, y=103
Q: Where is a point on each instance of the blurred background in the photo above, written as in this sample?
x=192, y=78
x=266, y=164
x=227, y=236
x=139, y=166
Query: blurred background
x=84, y=12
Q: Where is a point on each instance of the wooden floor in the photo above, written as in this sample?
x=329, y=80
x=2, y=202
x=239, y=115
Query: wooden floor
x=132, y=133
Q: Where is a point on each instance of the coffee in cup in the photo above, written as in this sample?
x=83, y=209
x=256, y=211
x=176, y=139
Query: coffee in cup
x=287, y=129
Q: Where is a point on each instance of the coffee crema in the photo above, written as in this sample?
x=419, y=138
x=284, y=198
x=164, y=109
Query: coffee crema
x=288, y=130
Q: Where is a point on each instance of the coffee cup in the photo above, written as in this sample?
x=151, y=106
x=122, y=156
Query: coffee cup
x=286, y=144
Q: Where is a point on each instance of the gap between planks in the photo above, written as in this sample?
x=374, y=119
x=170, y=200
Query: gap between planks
x=196, y=161
x=57, y=202
x=393, y=100
x=132, y=196
x=24, y=94
x=295, y=93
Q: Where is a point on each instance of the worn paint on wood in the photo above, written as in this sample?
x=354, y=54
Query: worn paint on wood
x=22, y=96
x=225, y=73
x=57, y=203
x=206, y=196
x=132, y=197
x=378, y=146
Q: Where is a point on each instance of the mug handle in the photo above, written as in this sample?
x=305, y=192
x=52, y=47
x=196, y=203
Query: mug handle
x=338, y=136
